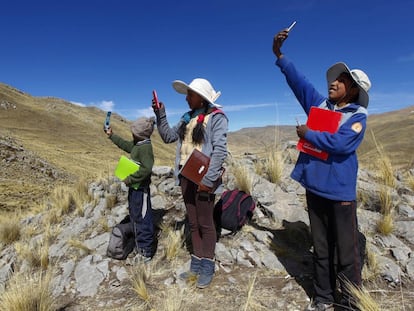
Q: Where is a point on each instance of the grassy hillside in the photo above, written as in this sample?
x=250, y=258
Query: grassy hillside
x=47, y=141
x=68, y=139
x=393, y=131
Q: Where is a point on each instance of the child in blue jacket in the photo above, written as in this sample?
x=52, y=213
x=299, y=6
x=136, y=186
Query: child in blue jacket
x=331, y=184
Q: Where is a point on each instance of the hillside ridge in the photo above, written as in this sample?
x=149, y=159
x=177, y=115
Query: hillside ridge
x=69, y=141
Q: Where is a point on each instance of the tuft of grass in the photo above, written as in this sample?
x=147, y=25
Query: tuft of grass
x=53, y=216
x=37, y=255
x=250, y=292
x=31, y=291
x=139, y=278
x=243, y=178
x=362, y=298
x=386, y=224
x=385, y=199
x=174, y=299
x=62, y=199
x=386, y=170
x=371, y=269
x=82, y=191
x=410, y=181
x=79, y=245
x=273, y=166
x=384, y=165
x=9, y=229
x=362, y=197
x=174, y=242
x=103, y=222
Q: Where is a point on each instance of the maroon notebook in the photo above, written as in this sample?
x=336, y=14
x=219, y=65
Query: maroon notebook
x=195, y=167
x=323, y=120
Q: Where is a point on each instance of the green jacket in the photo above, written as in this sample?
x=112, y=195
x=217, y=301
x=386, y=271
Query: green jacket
x=142, y=153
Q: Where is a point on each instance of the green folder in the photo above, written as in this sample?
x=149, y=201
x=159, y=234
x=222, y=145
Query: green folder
x=125, y=167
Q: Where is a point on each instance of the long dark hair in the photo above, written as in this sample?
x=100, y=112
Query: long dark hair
x=198, y=131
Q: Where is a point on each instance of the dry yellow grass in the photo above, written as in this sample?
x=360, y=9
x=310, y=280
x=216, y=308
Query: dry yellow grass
x=27, y=292
x=37, y=255
x=371, y=269
x=138, y=279
x=274, y=165
x=174, y=299
x=9, y=229
x=174, y=243
x=249, y=298
x=385, y=224
x=362, y=298
x=243, y=177
x=80, y=245
x=410, y=180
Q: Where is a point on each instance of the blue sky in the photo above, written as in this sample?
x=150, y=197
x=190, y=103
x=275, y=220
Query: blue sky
x=111, y=54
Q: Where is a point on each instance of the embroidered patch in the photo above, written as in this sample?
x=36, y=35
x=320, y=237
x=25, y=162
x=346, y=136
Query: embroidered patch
x=357, y=127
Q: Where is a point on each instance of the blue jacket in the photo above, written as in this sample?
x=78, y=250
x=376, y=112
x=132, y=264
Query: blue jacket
x=335, y=178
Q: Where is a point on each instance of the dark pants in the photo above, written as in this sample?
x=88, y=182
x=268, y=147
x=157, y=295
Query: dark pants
x=140, y=211
x=200, y=208
x=334, y=231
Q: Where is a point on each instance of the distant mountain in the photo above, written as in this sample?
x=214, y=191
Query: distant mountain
x=45, y=141
x=394, y=131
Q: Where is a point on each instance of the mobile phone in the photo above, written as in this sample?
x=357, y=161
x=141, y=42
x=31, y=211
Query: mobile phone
x=155, y=98
x=297, y=121
x=107, y=120
x=291, y=26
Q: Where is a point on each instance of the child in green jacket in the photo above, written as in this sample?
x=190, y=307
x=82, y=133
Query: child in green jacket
x=139, y=202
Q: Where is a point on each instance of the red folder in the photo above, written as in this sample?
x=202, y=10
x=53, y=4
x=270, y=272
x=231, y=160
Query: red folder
x=322, y=120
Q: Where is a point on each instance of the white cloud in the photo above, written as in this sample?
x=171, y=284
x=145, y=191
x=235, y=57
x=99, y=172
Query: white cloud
x=406, y=59
x=145, y=112
x=78, y=104
x=245, y=107
x=106, y=105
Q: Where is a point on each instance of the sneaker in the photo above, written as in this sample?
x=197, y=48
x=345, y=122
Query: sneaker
x=319, y=306
x=137, y=259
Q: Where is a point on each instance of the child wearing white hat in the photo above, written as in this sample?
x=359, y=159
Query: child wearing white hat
x=203, y=127
x=331, y=184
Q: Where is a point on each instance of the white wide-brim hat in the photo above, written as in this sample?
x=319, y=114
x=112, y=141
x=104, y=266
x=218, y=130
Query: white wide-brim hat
x=201, y=86
x=360, y=78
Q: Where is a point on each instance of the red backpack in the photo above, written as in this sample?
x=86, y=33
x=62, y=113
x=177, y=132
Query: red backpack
x=233, y=210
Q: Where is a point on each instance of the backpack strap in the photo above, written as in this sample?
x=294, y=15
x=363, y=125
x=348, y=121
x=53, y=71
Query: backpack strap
x=228, y=198
x=243, y=197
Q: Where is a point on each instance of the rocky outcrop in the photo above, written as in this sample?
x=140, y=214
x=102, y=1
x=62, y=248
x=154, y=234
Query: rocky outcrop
x=275, y=244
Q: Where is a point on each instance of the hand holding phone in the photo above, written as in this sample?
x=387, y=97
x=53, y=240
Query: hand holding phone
x=155, y=99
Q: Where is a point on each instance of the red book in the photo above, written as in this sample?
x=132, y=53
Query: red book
x=196, y=166
x=322, y=120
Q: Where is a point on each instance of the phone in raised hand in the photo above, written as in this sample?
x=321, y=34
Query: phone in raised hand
x=291, y=26
x=155, y=99
x=107, y=121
